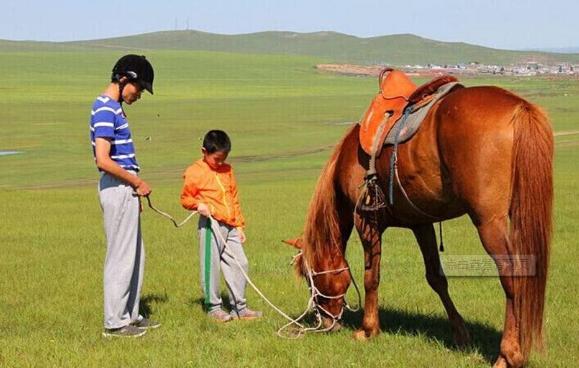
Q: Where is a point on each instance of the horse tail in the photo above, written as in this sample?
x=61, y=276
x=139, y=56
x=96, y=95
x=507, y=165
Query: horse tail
x=530, y=217
x=322, y=230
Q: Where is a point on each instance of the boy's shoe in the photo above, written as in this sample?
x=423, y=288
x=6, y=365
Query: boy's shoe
x=246, y=314
x=146, y=324
x=126, y=331
x=219, y=316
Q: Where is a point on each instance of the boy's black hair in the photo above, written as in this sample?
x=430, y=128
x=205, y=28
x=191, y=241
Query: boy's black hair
x=216, y=141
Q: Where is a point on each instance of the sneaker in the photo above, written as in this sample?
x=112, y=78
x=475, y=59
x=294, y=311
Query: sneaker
x=219, y=316
x=246, y=314
x=126, y=331
x=146, y=324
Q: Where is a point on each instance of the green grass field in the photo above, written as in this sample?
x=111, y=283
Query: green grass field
x=282, y=117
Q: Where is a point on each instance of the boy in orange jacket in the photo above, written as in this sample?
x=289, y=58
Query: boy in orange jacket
x=211, y=189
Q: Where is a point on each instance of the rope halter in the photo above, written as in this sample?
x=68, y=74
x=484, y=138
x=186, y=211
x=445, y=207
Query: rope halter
x=314, y=304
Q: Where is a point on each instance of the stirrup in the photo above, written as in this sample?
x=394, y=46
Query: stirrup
x=372, y=197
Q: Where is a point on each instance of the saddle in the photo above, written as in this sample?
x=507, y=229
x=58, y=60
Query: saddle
x=397, y=93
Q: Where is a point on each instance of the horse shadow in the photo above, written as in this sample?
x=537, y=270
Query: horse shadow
x=484, y=338
x=149, y=299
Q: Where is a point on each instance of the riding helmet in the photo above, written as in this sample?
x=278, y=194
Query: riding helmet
x=137, y=69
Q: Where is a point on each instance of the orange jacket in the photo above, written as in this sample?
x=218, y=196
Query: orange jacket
x=215, y=188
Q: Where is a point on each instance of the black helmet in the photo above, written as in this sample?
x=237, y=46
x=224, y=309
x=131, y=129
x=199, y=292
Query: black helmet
x=137, y=69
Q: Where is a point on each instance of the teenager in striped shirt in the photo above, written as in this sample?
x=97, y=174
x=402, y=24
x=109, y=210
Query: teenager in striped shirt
x=114, y=154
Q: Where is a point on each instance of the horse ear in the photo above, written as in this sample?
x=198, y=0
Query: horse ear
x=296, y=242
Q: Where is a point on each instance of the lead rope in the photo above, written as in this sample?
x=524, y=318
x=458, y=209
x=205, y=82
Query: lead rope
x=312, y=304
x=169, y=216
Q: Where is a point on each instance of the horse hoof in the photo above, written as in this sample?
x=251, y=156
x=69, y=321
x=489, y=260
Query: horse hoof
x=363, y=335
x=360, y=335
x=501, y=363
x=511, y=354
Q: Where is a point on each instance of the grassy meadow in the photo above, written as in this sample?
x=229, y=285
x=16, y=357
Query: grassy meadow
x=283, y=117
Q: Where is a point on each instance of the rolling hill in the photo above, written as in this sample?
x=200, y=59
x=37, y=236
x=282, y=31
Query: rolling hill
x=334, y=47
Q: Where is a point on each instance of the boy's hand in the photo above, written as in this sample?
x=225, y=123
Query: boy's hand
x=242, y=236
x=204, y=210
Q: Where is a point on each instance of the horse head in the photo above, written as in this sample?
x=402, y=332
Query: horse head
x=328, y=278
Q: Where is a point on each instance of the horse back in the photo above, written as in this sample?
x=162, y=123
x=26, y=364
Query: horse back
x=463, y=147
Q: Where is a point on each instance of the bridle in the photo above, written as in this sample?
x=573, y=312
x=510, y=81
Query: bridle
x=316, y=293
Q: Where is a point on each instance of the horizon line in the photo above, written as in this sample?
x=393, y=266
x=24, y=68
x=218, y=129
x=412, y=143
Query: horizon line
x=562, y=49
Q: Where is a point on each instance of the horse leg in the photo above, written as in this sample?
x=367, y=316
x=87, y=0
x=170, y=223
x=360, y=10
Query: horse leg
x=371, y=239
x=437, y=280
x=494, y=236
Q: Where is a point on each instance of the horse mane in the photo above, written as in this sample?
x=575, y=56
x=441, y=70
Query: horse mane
x=322, y=235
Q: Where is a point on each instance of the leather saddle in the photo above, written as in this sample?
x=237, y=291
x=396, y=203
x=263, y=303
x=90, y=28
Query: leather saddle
x=397, y=92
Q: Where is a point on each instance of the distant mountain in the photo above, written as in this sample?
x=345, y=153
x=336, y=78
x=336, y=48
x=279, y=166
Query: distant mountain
x=561, y=50
x=330, y=46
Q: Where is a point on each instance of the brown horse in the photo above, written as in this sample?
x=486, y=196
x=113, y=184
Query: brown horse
x=481, y=151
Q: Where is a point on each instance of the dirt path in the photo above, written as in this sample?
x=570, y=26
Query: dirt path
x=566, y=132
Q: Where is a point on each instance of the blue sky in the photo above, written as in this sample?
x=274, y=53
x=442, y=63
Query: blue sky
x=505, y=24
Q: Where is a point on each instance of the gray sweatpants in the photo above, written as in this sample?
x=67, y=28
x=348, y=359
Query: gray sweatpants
x=124, y=263
x=216, y=257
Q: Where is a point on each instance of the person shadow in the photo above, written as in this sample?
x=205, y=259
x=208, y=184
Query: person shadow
x=485, y=339
x=200, y=302
x=145, y=306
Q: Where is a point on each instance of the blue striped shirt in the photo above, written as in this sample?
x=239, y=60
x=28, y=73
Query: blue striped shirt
x=109, y=121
